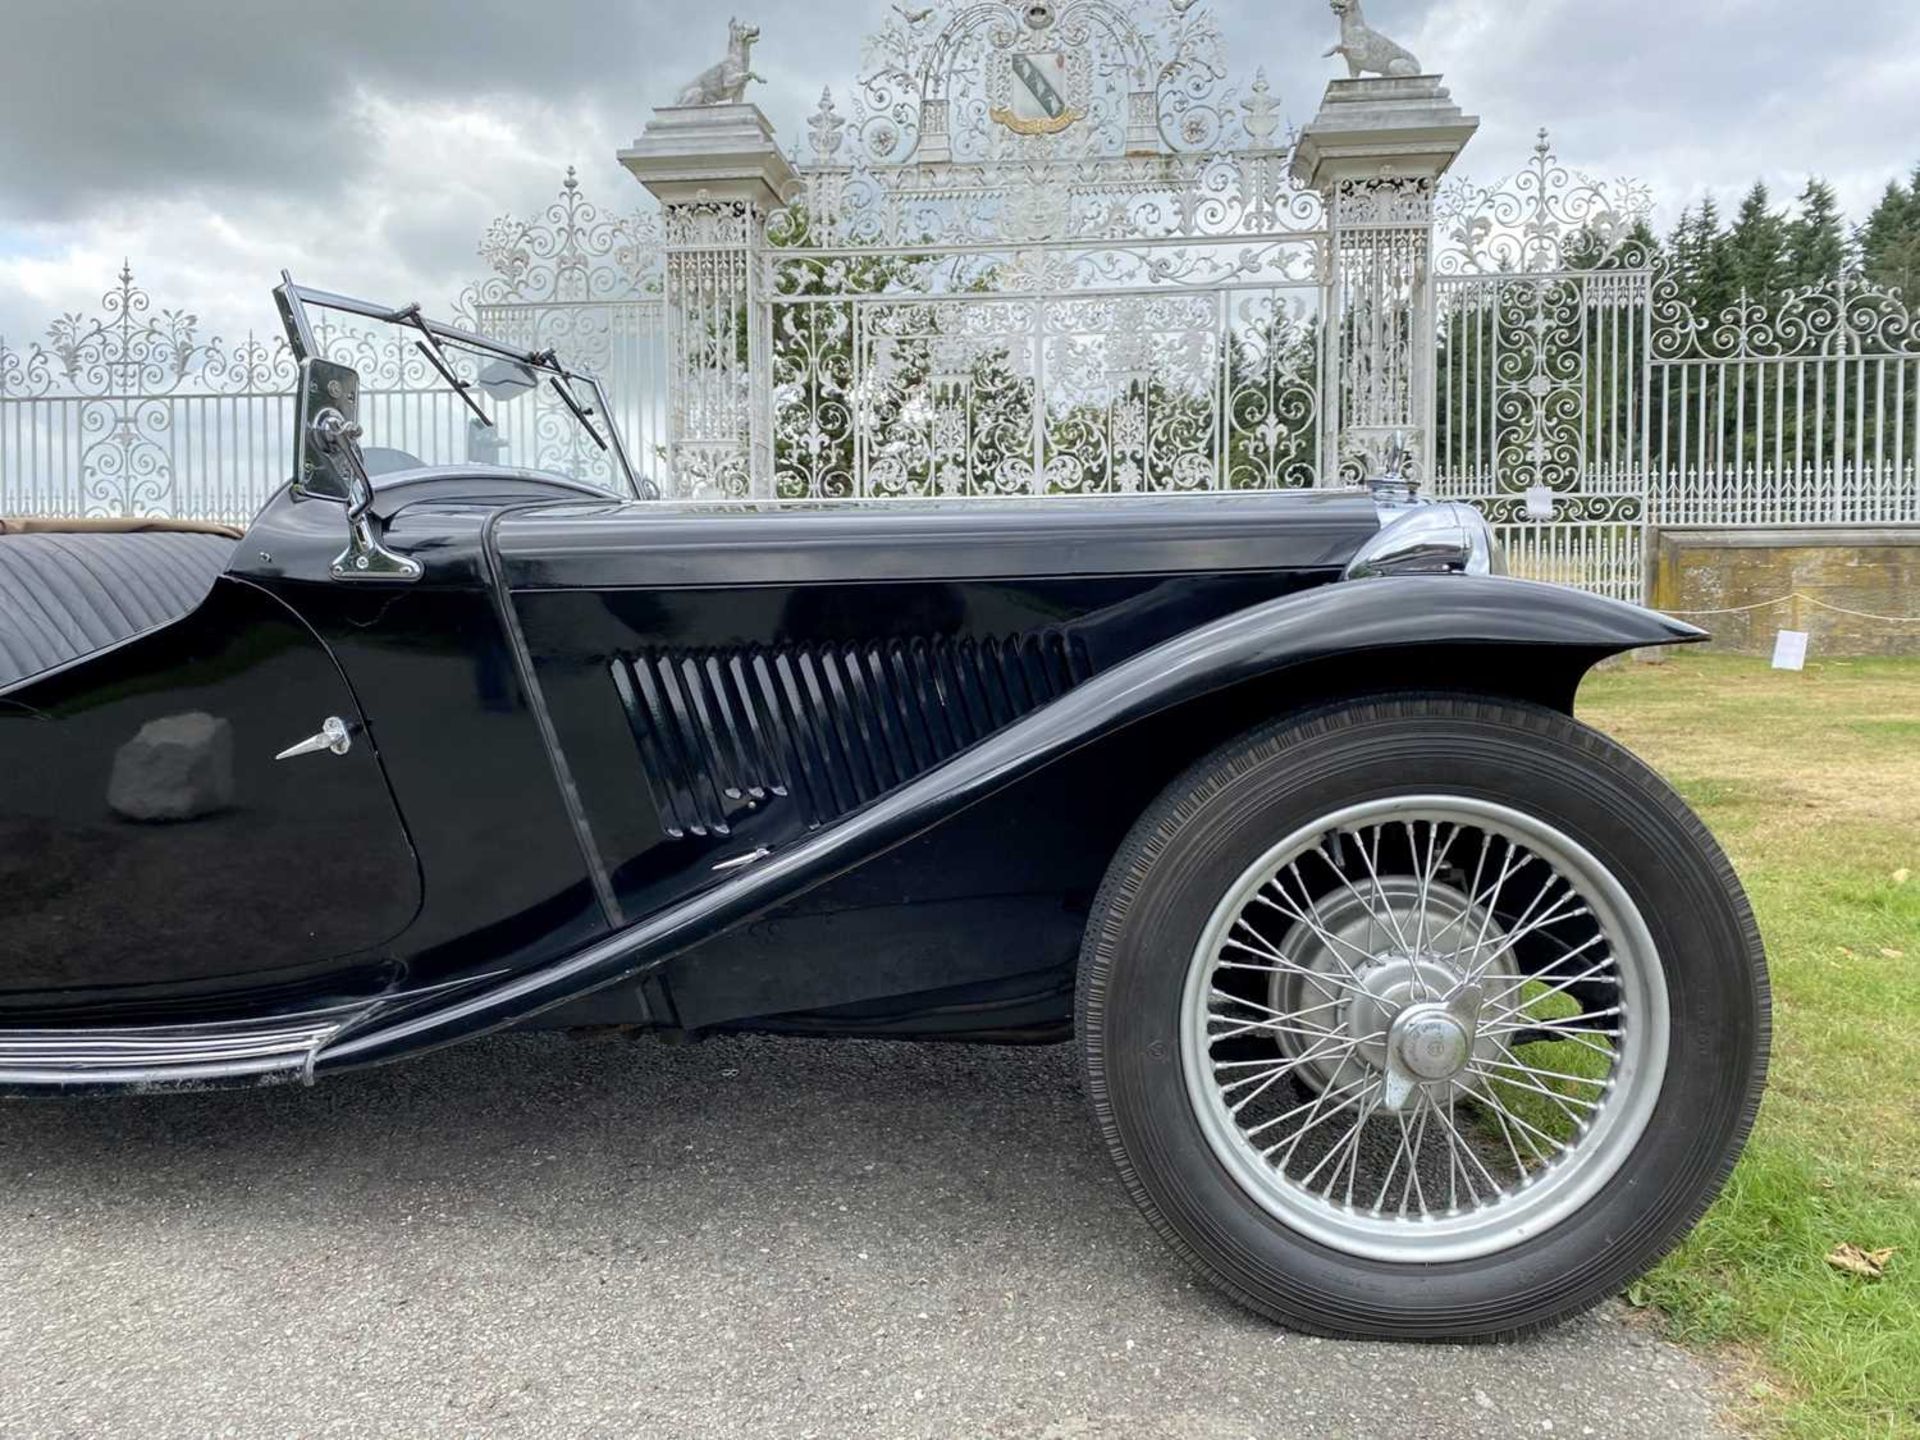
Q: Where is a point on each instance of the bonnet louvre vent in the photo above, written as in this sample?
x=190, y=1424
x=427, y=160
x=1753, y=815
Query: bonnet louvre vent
x=830, y=726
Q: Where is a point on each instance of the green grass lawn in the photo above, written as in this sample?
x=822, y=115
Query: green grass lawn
x=1812, y=783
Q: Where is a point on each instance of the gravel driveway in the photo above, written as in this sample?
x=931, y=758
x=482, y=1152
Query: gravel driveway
x=535, y=1235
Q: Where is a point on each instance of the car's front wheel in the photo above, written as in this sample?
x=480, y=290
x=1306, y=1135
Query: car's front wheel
x=1422, y=1018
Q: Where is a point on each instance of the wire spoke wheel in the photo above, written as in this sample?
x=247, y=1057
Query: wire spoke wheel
x=1422, y=1017
x=1424, y=1028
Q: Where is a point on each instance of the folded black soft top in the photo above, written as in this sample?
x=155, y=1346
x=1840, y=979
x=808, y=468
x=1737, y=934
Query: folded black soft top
x=67, y=593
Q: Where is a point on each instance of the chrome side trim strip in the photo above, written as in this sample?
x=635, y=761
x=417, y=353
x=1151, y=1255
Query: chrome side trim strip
x=135, y=1056
x=160, y=1054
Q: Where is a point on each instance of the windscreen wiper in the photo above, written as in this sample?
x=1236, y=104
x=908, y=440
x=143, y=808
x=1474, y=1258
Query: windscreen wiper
x=430, y=347
x=551, y=361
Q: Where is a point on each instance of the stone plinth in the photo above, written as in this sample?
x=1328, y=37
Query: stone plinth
x=711, y=152
x=1372, y=127
x=1866, y=571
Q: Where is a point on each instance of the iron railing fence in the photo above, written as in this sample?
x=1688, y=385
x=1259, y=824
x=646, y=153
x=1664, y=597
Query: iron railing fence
x=1812, y=495
x=205, y=456
x=913, y=330
x=1581, y=401
x=131, y=412
x=1806, y=405
x=1603, y=557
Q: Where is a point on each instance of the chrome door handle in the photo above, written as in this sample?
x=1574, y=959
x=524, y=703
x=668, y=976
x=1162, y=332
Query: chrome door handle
x=335, y=735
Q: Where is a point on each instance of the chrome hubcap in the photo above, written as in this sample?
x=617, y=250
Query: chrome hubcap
x=1424, y=1028
x=1346, y=962
x=1430, y=1042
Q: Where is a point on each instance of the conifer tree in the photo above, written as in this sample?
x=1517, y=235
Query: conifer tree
x=1718, y=283
x=1890, y=240
x=1758, y=246
x=1687, y=245
x=1703, y=260
x=1816, y=241
x=1641, y=247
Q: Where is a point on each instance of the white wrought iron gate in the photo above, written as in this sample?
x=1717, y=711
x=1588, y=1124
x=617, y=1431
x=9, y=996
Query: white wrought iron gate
x=587, y=283
x=1543, y=417
x=1544, y=364
x=980, y=293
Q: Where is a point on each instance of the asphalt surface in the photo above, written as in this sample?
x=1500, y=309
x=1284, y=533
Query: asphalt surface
x=543, y=1236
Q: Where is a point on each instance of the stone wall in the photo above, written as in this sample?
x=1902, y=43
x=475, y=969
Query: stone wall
x=1872, y=570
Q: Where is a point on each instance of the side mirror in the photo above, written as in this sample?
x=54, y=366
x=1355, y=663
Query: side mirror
x=331, y=467
x=324, y=388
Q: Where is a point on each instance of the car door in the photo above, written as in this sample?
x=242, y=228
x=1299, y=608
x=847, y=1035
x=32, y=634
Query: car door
x=152, y=842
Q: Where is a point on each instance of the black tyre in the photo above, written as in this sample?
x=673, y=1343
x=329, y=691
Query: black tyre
x=1422, y=1018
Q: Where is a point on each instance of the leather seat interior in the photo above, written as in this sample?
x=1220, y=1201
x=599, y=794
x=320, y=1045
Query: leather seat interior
x=64, y=595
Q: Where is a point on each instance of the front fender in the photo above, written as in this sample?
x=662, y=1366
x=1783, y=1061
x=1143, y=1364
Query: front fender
x=1545, y=629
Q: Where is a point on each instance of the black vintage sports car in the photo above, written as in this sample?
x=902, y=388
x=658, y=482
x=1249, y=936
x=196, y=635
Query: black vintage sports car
x=1409, y=1006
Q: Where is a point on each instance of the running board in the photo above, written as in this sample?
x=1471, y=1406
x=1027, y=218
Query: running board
x=271, y=1050
x=158, y=1056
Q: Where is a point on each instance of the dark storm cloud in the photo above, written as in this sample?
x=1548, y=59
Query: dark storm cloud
x=369, y=143
x=120, y=97
x=207, y=139
x=113, y=98
x=108, y=99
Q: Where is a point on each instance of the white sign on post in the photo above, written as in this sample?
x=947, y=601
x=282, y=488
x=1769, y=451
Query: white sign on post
x=1790, y=650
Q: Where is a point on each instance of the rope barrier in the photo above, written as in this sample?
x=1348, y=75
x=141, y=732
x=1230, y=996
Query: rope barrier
x=1798, y=595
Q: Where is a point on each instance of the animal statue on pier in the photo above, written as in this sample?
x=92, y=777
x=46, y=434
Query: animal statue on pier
x=726, y=83
x=1367, y=51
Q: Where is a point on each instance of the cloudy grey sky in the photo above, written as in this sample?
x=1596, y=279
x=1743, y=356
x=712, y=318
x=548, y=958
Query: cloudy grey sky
x=367, y=143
